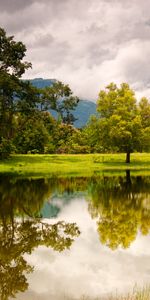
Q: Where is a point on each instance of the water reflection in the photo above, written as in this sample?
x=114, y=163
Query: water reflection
x=119, y=205
x=122, y=207
x=21, y=232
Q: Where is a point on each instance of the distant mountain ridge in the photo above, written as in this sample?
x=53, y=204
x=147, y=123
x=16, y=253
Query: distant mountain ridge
x=42, y=83
x=83, y=111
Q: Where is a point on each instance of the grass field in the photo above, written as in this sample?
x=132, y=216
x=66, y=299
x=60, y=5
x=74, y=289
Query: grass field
x=83, y=165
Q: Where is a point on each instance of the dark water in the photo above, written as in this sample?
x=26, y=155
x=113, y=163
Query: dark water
x=62, y=238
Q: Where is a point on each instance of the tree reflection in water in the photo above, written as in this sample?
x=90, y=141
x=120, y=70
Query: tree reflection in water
x=21, y=232
x=121, y=206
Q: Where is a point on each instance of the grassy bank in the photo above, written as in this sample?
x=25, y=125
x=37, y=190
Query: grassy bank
x=136, y=294
x=83, y=165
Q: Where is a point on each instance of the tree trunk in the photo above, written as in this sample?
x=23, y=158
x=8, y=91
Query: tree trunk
x=128, y=179
x=128, y=157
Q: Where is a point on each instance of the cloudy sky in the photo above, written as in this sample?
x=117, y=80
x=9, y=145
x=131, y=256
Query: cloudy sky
x=85, y=43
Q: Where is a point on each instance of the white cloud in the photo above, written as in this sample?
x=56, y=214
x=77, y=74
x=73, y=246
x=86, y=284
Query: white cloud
x=84, y=43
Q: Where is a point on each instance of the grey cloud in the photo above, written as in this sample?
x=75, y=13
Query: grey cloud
x=98, y=54
x=74, y=38
x=11, y=6
x=147, y=22
x=14, y=5
x=138, y=72
x=20, y=15
x=55, y=55
x=42, y=41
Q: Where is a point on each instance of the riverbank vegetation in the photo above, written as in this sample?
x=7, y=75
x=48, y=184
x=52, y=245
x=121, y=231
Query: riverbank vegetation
x=121, y=125
x=137, y=294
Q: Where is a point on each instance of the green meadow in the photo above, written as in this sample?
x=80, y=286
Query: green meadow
x=82, y=165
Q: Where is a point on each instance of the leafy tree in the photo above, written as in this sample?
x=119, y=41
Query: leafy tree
x=62, y=137
x=12, y=90
x=78, y=142
x=144, y=106
x=34, y=132
x=60, y=98
x=11, y=55
x=96, y=135
x=120, y=119
x=144, y=109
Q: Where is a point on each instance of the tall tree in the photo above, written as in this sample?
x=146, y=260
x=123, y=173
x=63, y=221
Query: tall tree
x=12, y=89
x=60, y=98
x=120, y=118
x=144, y=109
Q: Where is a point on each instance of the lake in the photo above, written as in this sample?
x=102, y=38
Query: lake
x=69, y=237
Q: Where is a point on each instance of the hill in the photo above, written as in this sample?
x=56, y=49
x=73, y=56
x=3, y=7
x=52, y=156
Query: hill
x=83, y=111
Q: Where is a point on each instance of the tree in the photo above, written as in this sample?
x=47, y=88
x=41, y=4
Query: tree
x=11, y=55
x=15, y=95
x=120, y=119
x=34, y=132
x=144, y=109
x=62, y=137
x=96, y=135
x=60, y=98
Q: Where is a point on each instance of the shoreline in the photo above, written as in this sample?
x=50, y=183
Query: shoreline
x=74, y=164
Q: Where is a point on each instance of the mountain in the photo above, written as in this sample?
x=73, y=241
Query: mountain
x=42, y=83
x=83, y=111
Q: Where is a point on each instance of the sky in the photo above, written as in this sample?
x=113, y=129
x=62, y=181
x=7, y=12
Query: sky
x=84, y=43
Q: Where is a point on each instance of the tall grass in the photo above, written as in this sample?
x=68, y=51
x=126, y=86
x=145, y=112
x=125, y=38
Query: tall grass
x=136, y=294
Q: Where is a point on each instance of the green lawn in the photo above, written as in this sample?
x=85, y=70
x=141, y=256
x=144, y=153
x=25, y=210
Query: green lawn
x=83, y=165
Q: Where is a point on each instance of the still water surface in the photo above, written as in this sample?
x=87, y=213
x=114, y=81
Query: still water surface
x=62, y=238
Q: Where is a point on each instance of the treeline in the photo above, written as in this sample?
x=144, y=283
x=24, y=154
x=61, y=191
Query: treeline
x=26, y=126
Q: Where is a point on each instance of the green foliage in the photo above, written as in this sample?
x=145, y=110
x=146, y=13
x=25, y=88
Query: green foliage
x=59, y=97
x=144, y=109
x=96, y=135
x=33, y=134
x=12, y=66
x=6, y=147
x=22, y=122
x=124, y=124
x=11, y=55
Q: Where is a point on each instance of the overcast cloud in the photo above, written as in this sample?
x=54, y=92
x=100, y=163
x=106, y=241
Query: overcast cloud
x=86, y=43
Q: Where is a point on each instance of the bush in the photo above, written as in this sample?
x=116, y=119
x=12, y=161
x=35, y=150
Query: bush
x=6, y=148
